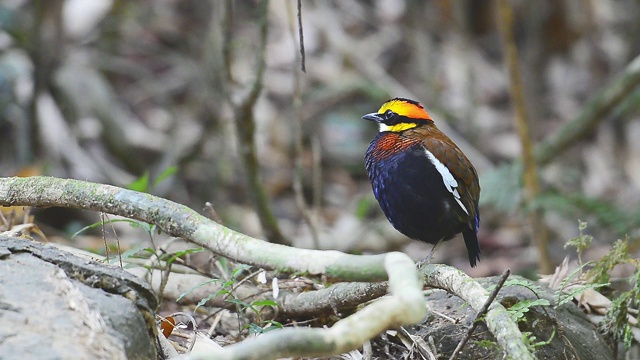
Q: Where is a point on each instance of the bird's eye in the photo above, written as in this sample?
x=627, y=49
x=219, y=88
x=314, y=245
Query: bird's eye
x=388, y=114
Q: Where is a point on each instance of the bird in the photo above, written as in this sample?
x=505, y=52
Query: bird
x=425, y=185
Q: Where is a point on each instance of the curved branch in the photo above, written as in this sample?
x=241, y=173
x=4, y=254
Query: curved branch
x=179, y=220
x=498, y=319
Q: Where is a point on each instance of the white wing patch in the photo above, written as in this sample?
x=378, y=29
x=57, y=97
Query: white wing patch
x=449, y=181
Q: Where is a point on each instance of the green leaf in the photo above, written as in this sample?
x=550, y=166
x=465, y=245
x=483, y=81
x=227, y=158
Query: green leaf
x=566, y=297
x=619, y=254
x=201, y=302
x=150, y=250
x=254, y=328
x=198, y=286
x=582, y=241
x=171, y=257
x=165, y=174
x=520, y=282
x=239, y=269
x=238, y=302
x=141, y=184
x=131, y=252
x=518, y=309
x=264, y=303
x=275, y=324
x=488, y=344
x=133, y=223
x=241, y=303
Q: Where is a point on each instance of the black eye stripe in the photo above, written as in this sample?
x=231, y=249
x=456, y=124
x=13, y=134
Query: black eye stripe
x=391, y=118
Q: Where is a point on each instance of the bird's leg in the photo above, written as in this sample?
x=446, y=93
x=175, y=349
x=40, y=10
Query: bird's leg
x=427, y=259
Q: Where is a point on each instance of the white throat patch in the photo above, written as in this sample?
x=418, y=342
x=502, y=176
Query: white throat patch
x=447, y=178
x=399, y=127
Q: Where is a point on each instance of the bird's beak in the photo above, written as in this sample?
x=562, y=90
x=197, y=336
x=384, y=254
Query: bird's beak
x=373, y=117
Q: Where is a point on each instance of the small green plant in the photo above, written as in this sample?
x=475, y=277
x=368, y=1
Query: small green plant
x=227, y=286
x=618, y=320
x=227, y=290
x=533, y=287
x=257, y=329
x=581, y=243
x=530, y=340
x=142, y=184
x=619, y=254
x=268, y=325
x=488, y=344
x=520, y=308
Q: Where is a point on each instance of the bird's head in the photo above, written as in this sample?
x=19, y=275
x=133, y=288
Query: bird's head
x=399, y=114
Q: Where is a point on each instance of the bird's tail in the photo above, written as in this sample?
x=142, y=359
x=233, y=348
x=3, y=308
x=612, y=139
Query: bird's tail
x=473, y=246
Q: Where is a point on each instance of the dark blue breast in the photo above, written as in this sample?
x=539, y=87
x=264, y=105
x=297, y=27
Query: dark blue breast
x=411, y=192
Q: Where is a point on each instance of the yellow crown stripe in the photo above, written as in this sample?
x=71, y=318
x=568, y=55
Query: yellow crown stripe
x=404, y=108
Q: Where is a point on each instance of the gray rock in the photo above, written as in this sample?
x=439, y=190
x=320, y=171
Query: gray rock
x=54, y=305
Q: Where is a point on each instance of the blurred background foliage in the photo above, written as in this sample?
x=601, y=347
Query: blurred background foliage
x=111, y=90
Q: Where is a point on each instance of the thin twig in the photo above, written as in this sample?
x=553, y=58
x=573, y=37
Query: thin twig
x=165, y=270
x=301, y=37
x=227, y=34
x=115, y=234
x=418, y=344
x=316, y=171
x=216, y=321
x=530, y=171
x=104, y=238
x=211, y=213
x=480, y=314
x=6, y=225
x=298, y=170
x=245, y=128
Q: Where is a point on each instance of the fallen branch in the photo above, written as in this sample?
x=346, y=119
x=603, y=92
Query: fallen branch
x=480, y=314
x=498, y=319
x=338, y=297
